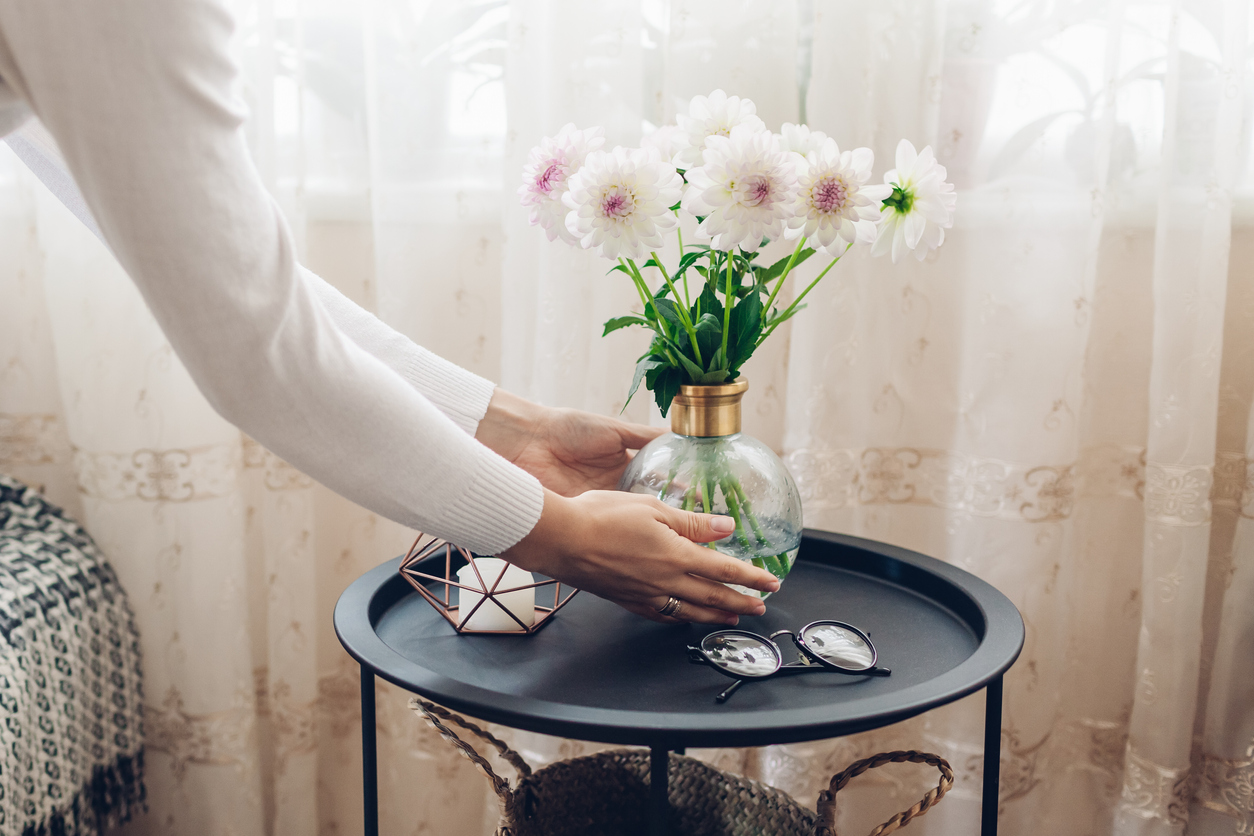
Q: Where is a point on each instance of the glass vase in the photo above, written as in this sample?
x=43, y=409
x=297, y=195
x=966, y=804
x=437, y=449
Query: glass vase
x=707, y=464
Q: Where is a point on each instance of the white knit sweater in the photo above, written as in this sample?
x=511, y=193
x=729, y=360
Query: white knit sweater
x=138, y=96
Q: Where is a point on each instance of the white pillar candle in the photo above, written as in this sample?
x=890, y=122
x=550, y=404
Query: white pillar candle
x=490, y=616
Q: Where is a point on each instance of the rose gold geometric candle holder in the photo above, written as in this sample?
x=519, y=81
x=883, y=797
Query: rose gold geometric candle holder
x=426, y=547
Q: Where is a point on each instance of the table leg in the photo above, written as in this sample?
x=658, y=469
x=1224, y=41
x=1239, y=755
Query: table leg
x=992, y=758
x=659, y=803
x=369, y=755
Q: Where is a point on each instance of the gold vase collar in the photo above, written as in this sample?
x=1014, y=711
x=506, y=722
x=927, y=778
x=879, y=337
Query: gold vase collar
x=708, y=411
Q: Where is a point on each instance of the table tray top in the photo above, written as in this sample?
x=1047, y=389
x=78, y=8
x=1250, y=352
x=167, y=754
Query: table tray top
x=599, y=673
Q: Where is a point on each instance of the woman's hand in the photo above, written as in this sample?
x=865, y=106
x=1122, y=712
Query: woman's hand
x=637, y=552
x=568, y=450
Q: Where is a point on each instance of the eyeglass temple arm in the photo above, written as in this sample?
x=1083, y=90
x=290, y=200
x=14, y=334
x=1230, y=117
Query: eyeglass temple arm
x=785, y=670
x=726, y=693
x=802, y=667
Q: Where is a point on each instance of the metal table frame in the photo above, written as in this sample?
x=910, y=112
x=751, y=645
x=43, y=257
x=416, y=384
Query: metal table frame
x=659, y=805
x=661, y=747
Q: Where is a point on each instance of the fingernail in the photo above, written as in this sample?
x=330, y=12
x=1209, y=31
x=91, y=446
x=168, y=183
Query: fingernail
x=773, y=586
x=722, y=524
x=732, y=620
x=761, y=609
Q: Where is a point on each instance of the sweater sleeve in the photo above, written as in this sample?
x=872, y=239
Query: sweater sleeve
x=138, y=94
x=461, y=395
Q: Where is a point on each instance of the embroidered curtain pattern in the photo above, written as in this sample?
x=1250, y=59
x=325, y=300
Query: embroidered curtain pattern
x=1059, y=400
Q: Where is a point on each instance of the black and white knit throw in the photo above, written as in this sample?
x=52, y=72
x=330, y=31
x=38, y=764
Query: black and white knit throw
x=71, y=710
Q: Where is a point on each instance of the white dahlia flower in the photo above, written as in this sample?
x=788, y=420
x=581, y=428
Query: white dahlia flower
x=669, y=140
x=713, y=115
x=800, y=139
x=834, y=202
x=920, y=207
x=746, y=189
x=545, y=176
x=621, y=201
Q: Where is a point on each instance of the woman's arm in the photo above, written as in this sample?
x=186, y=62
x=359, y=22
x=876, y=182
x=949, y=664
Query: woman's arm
x=138, y=94
x=461, y=395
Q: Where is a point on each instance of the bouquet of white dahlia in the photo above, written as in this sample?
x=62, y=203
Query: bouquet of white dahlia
x=746, y=187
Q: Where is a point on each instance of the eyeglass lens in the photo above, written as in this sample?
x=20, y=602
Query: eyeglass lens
x=740, y=654
x=838, y=645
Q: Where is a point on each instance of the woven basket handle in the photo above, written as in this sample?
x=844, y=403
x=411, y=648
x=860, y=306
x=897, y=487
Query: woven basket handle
x=827, y=798
x=434, y=715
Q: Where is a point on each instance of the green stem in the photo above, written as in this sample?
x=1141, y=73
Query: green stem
x=727, y=304
x=707, y=496
x=670, y=480
x=784, y=275
x=683, y=312
x=782, y=317
x=747, y=509
x=645, y=297
x=729, y=493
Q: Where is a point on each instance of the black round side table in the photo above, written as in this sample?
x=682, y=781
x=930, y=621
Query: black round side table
x=599, y=673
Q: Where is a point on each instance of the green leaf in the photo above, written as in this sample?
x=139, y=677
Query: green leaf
x=620, y=268
x=712, y=378
x=777, y=320
x=622, y=322
x=665, y=388
x=746, y=327
x=709, y=334
x=775, y=269
x=662, y=291
x=694, y=371
x=651, y=376
x=708, y=303
x=641, y=369
x=685, y=263
x=719, y=360
x=669, y=310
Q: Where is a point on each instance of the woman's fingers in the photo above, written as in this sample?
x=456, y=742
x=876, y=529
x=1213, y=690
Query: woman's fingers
x=699, y=528
x=688, y=612
x=723, y=569
x=635, y=436
x=637, y=552
x=715, y=596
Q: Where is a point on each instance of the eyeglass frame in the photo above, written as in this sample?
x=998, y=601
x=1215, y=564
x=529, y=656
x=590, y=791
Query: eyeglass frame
x=808, y=660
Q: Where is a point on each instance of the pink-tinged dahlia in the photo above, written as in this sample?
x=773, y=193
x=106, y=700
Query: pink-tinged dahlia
x=714, y=115
x=919, y=208
x=621, y=201
x=546, y=175
x=745, y=190
x=834, y=202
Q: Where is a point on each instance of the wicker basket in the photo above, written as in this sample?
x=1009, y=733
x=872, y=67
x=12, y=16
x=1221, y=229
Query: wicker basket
x=608, y=793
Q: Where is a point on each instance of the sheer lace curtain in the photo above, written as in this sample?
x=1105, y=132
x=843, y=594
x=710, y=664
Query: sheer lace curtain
x=1059, y=400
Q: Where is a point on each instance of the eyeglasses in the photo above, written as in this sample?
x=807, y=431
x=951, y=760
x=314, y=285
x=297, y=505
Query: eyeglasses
x=821, y=646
